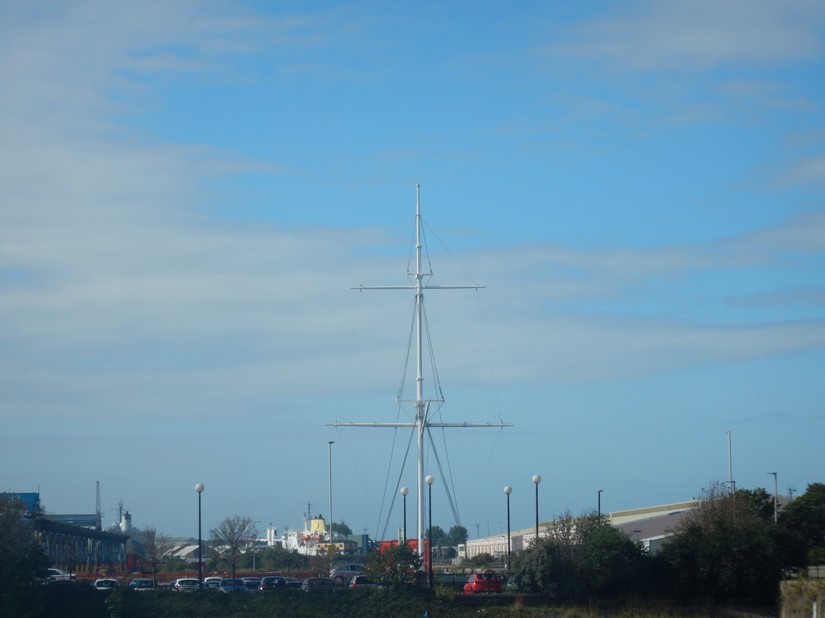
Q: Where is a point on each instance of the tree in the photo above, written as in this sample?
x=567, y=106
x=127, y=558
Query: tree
x=232, y=537
x=279, y=558
x=582, y=559
x=759, y=502
x=439, y=537
x=803, y=520
x=611, y=565
x=456, y=536
x=396, y=565
x=724, y=550
x=155, y=546
x=341, y=529
x=22, y=563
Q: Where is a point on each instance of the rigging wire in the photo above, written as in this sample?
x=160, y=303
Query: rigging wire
x=406, y=364
x=446, y=488
x=449, y=478
x=399, y=409
x=397, y=484
x=450, y=253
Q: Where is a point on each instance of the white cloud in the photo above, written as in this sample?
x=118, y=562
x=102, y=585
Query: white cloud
x=808, y=171
x=699, y=35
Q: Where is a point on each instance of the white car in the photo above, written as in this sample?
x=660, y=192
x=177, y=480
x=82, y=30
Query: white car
x=106, y=584
x=187, y=584
x=211, y=582
x=59, y=575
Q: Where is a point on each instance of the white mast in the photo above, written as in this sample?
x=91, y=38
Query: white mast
x=422, y=406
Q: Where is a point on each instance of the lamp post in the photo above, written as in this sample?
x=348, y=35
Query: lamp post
x=404, y=492
x=199, y=489
x=507, y=491
x=429, y=480
x=536, y=481
x=599, y=503
x=331, y=442
x=775, y=498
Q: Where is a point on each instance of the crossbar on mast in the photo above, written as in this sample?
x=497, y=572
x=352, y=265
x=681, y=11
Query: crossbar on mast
x=422, y=405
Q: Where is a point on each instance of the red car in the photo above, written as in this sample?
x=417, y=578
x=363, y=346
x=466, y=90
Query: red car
x=486, y=581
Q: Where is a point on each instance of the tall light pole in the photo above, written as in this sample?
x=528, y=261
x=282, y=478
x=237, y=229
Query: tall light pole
x=599, y=503
x=331, y=442
x=507, y=491
x=199, y=489
x=404, y=492
x=775, y=498
x=429, y=480
x=536, y=481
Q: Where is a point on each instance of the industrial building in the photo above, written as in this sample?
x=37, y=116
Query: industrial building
x=648, y=525
x=75, y=543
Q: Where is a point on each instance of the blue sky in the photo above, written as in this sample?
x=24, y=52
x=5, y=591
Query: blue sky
x=190, y=192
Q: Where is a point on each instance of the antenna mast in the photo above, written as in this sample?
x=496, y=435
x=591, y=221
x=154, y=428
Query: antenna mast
x=98, y=513
x=422, y=406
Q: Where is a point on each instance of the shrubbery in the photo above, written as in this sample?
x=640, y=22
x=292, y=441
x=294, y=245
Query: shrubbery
x=729, y=550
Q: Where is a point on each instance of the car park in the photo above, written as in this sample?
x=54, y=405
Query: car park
x=486, y=581
x=106, y=584
x=273, y=582
x=187, y=584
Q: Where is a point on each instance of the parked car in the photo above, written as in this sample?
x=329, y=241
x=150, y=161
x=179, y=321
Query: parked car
x=141, y=583
x=318, y=584
x=295, y=584
x=252, y=583
x=486, y=581
x=59, y=575
x=343, y=573
x=106, y=584
x=212, y=582
x=273, y=582
x=187, y=584
x=232, y=585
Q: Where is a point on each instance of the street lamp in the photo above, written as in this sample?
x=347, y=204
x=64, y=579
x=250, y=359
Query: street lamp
x=429, y=480
x=331, y=442
x=199, y=489
x=404, y=492
x=775, y=498
x=536, y=481
x=599, y=503
x=507, y=491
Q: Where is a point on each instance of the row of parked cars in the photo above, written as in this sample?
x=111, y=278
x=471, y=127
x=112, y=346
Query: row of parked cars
x=236, y=585
x=351, y=575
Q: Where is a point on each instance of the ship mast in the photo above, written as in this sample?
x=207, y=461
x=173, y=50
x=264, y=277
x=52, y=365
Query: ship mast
x=422, y=405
